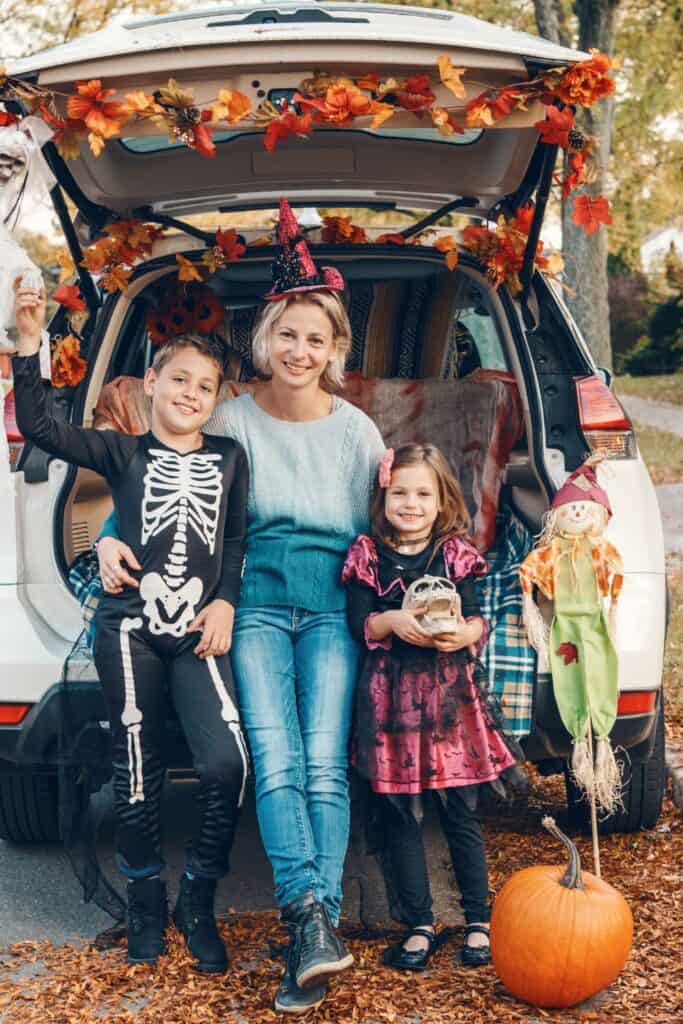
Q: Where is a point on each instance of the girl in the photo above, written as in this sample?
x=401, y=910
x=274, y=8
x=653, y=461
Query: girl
x=421, y=723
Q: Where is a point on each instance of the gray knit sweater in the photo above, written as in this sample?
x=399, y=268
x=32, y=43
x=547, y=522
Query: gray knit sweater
x=309, y=493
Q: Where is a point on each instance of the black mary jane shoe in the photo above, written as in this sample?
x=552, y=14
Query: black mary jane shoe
x=403, y=959
x=475, y=956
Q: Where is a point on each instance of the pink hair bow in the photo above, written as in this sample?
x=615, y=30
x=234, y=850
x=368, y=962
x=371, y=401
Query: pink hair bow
x=385, y=465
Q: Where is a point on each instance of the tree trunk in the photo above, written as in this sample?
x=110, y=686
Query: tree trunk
x=586, y=255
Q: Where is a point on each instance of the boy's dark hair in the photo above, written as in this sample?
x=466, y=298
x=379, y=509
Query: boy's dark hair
x=213, y=350
x=453, y=516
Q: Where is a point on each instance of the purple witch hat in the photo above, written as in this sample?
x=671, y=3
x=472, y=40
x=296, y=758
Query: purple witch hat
x=294, y=269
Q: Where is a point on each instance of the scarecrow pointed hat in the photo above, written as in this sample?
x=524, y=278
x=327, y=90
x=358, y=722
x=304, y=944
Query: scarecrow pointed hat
x=293, y=269
x=582, y=485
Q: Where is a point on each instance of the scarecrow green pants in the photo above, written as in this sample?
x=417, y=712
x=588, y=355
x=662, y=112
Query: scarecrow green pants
x=583, y=661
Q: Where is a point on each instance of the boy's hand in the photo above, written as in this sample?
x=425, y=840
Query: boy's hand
x=29, y=313
x=215, y=621
x=112, y=554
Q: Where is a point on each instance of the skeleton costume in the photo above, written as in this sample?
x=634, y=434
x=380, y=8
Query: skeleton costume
x=184, y=517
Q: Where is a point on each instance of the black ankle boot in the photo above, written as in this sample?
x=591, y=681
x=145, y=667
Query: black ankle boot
x=289, y=998
x=147, y=920
x=194, y=917
x=321, y=953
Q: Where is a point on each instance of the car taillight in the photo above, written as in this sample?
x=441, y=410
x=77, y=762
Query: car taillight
x=637, y=702
x=604, y=424
x=12, y=714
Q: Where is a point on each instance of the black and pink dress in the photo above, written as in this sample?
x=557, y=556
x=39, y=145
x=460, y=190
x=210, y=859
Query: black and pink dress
x=421, y=722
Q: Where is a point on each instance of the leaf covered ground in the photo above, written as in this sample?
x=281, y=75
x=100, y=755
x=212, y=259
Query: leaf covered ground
x=45, y=984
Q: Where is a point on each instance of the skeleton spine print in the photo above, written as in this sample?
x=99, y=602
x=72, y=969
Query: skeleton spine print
x=183, y=492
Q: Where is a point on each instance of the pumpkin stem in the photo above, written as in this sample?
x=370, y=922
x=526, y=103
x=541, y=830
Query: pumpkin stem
x=571, y=879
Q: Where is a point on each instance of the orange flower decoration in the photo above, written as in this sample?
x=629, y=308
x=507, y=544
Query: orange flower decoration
x=340, y=229
x=68, y=369
x=587, y=82
x=590, y=213
x=91, y=105
x=342, y=103
x=289, y=123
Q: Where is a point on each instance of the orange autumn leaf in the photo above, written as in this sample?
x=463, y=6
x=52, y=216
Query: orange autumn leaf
x=98, y=256
x=340, y=229
x=187, y=271
x=382, y=112
x=590, y=213
x=478, y=114
x=231, y=106
x=116, y=279
x=390, y=238
x=261, y=240
x=556, y=126
x=96, y=143
x=67, y=268
x=450, y=76
x=524, y=215
x=68, y=369
x=445, y=122
x=68, y=138
x=289, y=123
x=91, y=105
x=342, y=103
x=140, y=103
x=415, y=93
x=448, y=246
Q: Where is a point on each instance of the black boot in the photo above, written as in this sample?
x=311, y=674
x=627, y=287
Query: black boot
x=147, y=920
x=320, y=953
x=194, y=917
x=289, y=998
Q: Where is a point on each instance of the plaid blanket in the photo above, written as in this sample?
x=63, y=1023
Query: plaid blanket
x=508, y=657
x=84, y=577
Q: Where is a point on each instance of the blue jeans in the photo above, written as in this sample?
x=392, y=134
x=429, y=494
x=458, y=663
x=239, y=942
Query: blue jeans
x=296, y=673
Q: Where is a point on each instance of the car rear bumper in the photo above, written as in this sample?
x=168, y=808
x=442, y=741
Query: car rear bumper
x=549, y=738
x=67, y=723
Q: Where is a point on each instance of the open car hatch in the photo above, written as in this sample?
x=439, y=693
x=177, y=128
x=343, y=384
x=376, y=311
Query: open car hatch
x=266, y=52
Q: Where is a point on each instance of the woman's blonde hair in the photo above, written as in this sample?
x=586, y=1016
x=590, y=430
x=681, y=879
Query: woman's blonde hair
x=330, y=303
x=453, y=516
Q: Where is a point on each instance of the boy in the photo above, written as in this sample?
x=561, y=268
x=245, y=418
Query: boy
x=181, y=502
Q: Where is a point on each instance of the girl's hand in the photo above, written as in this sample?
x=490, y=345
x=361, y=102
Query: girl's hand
x=406, y=626
x=215, y=622
x=466, y=634
x=29, y=313
x=112, y=553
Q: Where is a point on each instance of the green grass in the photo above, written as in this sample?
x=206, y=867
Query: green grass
x=666, y=387
x=662, y=452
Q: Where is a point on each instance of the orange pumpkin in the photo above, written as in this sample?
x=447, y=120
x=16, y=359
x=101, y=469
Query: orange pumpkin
x=558, y=937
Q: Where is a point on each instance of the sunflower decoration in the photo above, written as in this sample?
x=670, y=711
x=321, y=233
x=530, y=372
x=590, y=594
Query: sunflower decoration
x=194, y=310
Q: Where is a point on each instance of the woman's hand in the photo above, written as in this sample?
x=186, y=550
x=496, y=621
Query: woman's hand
x=29, y=314
x=111, y=554
x=215, y=622
x=466, y=634
x=406, y=626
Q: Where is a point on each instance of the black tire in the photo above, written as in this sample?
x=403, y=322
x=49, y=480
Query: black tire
x=642, y=794
x=29, y=805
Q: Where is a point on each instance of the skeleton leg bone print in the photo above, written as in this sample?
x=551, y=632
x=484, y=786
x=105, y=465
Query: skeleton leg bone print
x=131, y=716
x=183, y=491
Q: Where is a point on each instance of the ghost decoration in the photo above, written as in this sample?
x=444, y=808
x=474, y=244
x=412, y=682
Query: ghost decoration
x=576, y=568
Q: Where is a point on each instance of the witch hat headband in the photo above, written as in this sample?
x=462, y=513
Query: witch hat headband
x=294, y=269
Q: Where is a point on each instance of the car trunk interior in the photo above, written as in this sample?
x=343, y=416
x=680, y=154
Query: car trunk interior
x=432, y=359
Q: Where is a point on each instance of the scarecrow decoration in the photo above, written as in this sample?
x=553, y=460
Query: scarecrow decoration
x=574, y=566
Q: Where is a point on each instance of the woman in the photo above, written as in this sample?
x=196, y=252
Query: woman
x=312, y=460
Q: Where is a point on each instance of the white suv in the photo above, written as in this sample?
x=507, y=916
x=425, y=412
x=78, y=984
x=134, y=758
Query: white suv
x=408, y=312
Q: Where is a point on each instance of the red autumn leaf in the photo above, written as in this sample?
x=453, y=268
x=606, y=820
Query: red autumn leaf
x=202, y=140
x=577, y=176
x=415, y=94
x=282, y=127
x=69, y=296
x=7, y=119
x=556, y=127
x=391, y=239
x=568, y=651
x=524, y=217
x=228, y=241
x=590, y=213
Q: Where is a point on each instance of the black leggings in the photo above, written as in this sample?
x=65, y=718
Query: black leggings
x=138, y=673
x=405, y=851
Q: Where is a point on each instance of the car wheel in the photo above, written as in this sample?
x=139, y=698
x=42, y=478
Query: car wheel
x=642, y=794
x=29, y=805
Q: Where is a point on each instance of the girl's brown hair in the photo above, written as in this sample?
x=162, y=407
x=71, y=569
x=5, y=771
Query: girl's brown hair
x=453, y=516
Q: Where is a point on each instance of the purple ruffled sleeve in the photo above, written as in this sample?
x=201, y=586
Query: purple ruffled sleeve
x=361, y=562
x=462, y=559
